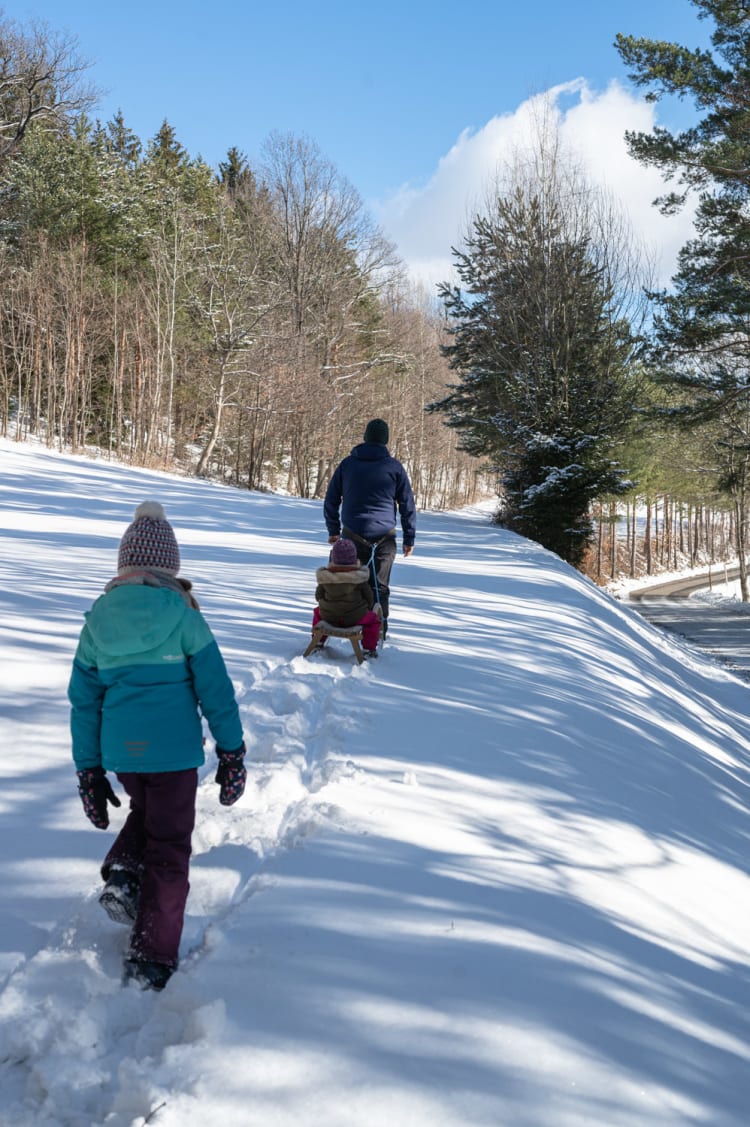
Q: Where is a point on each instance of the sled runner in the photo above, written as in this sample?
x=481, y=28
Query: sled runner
x=323, y=629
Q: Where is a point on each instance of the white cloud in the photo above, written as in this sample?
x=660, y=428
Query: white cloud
x=425, y=222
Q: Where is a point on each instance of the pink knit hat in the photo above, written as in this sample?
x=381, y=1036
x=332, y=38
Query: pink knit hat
x=344, y=553
x=149, y=542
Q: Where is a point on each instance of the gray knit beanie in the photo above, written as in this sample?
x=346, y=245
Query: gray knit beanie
x=149, y=542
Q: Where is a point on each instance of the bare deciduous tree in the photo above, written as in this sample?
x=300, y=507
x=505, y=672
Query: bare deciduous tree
x=42, y=79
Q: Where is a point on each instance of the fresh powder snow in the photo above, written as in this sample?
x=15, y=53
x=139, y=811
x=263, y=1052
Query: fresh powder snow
x=497, y=877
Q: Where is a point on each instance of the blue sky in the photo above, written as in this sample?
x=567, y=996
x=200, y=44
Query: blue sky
x=386, y=90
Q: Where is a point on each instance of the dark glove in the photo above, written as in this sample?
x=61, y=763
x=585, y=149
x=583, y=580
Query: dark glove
x=231, y=775
x=95, y=792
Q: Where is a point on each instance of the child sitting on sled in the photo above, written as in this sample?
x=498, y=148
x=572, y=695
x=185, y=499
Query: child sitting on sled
x=345, y=597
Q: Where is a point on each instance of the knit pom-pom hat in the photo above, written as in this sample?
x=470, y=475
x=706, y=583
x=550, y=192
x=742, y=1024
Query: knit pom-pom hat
x=149, y=542
x=344, y=553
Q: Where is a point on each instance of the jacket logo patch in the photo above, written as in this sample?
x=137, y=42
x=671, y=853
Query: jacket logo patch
x=136, y=748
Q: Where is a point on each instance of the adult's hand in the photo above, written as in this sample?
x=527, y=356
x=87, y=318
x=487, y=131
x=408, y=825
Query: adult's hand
x=333, y=539
x=408, y=549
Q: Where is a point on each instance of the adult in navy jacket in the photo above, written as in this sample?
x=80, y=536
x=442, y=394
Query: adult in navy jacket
x=365, y=492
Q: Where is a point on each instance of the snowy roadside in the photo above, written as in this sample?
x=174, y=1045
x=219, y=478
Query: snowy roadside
x=718, y=586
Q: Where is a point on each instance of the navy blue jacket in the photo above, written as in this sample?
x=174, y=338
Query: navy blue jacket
x=368, y=487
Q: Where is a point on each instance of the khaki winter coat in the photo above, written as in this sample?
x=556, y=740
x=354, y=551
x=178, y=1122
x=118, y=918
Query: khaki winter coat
x=343, y=594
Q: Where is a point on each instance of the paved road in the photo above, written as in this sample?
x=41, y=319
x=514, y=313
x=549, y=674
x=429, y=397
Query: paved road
x=682, y=588
x=720, y=629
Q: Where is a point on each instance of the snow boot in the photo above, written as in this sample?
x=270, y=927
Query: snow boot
x=149, y=974
x=121, y=895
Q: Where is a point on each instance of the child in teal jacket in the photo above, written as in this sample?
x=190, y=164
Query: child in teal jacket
x=146, y=670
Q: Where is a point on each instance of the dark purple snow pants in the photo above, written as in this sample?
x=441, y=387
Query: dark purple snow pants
x=155, y=844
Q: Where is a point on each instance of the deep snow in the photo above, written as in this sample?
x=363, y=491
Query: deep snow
x=497, y=877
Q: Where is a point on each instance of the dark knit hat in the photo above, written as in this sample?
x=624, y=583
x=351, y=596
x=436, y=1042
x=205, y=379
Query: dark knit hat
x=344, y=553
x=149, y=542
x=377, y=431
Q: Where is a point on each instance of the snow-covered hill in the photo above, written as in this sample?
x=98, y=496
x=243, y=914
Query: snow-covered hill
x=498, y=877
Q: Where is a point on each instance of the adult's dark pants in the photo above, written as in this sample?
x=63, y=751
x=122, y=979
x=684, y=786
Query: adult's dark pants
x=380, y=565
x=155, y=843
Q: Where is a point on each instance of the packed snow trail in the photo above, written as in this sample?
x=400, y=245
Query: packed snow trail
x=95, y=1028
x=497, y=876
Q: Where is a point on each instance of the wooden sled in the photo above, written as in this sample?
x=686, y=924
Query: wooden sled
x=325, y=629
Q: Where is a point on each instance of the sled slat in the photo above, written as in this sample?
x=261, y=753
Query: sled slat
x=326, y=629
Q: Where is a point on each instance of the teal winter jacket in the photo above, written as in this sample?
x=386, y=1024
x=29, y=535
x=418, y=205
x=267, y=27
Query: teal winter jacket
x=146, y=668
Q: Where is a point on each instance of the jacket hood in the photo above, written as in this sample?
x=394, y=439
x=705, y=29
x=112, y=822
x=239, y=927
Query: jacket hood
x=134, y=619
x=347, y=578
x=370, y=451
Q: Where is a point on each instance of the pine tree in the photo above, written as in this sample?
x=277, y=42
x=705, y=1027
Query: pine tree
x=542, y=351
x=235, y=173
x=122, y=142
x=702, y=328
x=708, y=312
